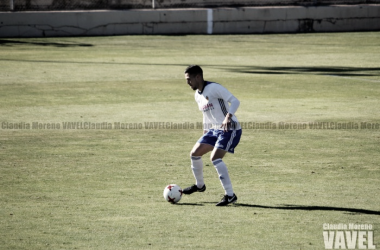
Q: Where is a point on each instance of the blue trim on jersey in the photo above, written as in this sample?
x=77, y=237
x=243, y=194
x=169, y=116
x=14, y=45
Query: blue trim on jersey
x=222, y=106
x=204, y=86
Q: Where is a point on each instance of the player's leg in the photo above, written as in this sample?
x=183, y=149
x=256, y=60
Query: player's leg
x=200, y=149
x=221, y=168
x=217, y=153
x=196, y=154
x=204, y=145
x=227, y=141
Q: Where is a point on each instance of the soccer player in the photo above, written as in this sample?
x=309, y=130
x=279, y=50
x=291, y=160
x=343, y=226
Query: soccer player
x=221, y=132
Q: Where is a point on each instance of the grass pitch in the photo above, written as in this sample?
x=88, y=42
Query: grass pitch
x=71, y=178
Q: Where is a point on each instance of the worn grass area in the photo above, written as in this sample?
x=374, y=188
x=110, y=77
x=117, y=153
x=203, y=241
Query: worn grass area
x=309, y=154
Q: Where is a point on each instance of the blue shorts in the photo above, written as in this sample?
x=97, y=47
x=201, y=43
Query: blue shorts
x=223, y=140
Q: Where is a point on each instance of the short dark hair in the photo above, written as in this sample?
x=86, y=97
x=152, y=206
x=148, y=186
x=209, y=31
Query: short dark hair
x=194, y=70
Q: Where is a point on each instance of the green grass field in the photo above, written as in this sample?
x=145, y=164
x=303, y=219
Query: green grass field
x=66, y=184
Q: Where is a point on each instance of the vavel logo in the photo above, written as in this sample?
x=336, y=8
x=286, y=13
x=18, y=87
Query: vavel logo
x=348, y=236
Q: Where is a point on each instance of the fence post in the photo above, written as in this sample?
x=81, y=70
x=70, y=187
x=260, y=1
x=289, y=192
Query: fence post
x=11, y=5
x=153, y=4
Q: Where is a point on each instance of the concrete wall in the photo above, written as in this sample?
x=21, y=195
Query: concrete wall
x=297, y=19
x=246, y=20
x=22, y=5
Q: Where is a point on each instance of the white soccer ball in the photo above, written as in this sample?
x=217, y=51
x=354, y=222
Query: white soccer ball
x=172, y=193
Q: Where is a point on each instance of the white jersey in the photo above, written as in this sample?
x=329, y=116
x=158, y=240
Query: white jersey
x=214, y=102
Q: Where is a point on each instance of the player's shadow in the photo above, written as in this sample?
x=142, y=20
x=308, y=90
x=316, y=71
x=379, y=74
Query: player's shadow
x=188, y=204
x=317, y=70
x=11, y=42
x=312, y=208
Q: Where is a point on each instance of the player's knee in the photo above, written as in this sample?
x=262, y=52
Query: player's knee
x=218, y=154
x=213, y=157
x=194, y=153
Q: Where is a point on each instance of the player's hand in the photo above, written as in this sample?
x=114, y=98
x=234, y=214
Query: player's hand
x=226, y=123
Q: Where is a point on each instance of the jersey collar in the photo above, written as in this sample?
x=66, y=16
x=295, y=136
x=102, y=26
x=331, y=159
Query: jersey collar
x=204, y=86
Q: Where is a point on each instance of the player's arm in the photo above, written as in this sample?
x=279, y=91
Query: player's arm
x=234, y=105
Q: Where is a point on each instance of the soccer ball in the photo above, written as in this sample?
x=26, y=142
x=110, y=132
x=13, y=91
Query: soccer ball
x=172, y=193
